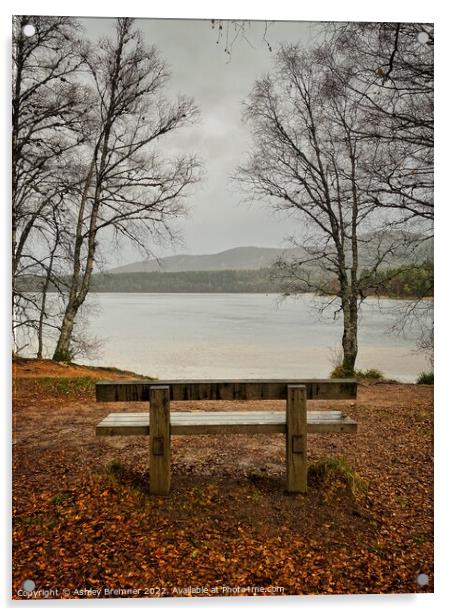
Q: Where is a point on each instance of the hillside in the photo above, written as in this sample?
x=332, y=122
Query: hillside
x=397, y=247
x=243, y=258
x=249, y=270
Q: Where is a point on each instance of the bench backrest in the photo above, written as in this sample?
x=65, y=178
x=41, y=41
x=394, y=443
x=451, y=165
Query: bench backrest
x=261, y=389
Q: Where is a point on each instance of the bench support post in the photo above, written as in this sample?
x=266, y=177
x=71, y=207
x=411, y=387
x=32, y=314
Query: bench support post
x=159, y=440
x=296, y=439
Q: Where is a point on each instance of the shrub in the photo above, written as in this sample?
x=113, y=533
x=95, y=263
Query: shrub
x=425, y=378
x=372, y=374
x=338, y=373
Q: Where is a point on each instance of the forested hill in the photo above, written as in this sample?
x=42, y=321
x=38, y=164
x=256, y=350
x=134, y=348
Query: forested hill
x=412, y=282
x=242, y=258
x=221, y=281
x=402, y=248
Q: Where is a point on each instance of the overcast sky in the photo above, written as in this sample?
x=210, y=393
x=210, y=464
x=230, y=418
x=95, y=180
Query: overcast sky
x=218, y=219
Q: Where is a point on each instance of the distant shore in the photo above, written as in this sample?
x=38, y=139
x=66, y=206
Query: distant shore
x=411, y=284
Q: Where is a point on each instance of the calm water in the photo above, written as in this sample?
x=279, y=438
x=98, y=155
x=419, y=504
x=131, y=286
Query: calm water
x=240, y=336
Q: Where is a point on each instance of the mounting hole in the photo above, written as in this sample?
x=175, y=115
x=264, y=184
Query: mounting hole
x=422, y=37
x=28, y=30
x=28, y=585
x=422, y=579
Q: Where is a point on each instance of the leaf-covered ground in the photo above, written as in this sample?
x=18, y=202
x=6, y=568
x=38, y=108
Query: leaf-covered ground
x=84, y=524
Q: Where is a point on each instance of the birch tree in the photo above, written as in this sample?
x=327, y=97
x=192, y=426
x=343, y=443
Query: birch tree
x=47, y=120
x=389, y=67
x=124, y=183
x=309, y=160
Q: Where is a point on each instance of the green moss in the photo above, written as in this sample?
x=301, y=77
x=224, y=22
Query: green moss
x=114, y=467
x=336, y=468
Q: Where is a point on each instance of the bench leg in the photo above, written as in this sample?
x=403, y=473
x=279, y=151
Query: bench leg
x=159, y=440
x=296, y=439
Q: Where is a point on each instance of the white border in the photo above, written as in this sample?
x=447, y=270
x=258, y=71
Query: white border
x=383, y=10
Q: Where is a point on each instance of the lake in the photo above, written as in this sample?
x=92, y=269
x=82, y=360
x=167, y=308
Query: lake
x=227, y=336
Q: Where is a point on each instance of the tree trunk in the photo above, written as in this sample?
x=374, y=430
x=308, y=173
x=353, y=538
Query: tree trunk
x=78, y=290
x=63, y=347
x=45, y=290
x=42, y=316
x=350, y=337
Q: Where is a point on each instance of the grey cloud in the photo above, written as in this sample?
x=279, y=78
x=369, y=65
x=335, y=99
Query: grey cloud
x=217, y=218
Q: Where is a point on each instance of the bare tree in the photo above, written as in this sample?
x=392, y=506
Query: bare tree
x=47, y=117
x=309, y=159
x=47, y=112
x=389, y=66
x=232, y=31
x=123, y=183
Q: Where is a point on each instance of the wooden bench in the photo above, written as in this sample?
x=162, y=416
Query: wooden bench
x=160, y=423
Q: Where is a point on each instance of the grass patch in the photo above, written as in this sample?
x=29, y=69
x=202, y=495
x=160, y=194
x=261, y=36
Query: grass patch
x=115, y=467
x=336, y=470
x=338, y=372
x=59, y=499
x=30, y=520
x=66, y=386
x=115, y=370
x=372, y=374
x=425, y=378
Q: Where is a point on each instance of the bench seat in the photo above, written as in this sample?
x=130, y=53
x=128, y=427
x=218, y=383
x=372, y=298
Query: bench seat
x=224, y=422
x=161, y=422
